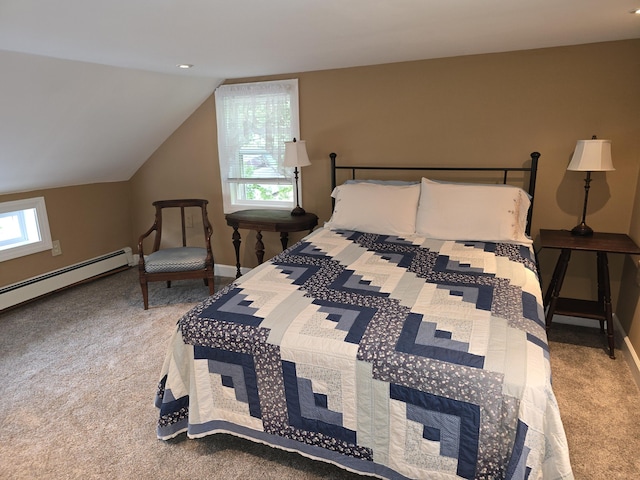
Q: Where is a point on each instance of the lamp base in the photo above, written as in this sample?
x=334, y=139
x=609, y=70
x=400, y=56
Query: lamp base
x=298, y=211
x=582, y=230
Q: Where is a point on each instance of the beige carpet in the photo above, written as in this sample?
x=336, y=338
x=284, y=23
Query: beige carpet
x=599, y=403
x=79, y=371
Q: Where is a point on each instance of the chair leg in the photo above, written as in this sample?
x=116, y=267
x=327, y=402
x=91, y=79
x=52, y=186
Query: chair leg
x=168, y=283
x=210, y=282
x=145, y=294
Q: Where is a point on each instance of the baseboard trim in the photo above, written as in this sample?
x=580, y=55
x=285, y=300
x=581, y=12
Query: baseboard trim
x=629, y=352
x=30, y=289
x=630, y=355
x=228, y=270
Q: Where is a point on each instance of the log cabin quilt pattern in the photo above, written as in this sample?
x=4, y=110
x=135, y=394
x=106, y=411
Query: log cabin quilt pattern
x=395, y=357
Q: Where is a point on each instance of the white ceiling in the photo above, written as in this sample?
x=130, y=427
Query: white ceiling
x=89, y=89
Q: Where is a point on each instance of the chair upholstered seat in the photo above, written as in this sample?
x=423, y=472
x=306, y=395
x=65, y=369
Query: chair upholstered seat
x=178, y=259
x=170, y=262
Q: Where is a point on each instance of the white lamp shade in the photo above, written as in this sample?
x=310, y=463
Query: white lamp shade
x=295, y=154
x=592, y=156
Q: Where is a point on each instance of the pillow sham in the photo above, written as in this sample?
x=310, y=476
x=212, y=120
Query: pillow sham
x=490, y=213
x=375, y=208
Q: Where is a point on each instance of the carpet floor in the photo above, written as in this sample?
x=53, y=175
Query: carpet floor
x=79, y=371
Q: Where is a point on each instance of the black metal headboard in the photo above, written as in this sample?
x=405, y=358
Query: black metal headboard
x=532, y=169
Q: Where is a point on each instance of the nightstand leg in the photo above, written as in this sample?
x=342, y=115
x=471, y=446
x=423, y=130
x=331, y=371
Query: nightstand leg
x=601, y=288
x=604, y=295
x=553, y=292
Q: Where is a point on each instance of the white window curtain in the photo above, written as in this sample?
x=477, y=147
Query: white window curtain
x=254, y=120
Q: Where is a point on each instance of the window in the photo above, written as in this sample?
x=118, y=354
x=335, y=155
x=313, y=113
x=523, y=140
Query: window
x=24, y=228
x=254, y=121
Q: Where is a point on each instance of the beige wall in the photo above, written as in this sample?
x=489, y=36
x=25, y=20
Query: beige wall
x=628, y=308
x=477, y=110
x=88, y=220
x=185, y=166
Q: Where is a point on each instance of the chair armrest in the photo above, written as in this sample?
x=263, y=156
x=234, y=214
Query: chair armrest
x=153, y=228
x=208, y=235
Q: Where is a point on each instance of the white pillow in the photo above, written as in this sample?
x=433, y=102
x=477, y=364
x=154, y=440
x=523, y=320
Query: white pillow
x=375, y=208
x=490, y=213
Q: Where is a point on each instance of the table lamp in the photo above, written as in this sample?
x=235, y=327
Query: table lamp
x=295, y=155
x=589, y=156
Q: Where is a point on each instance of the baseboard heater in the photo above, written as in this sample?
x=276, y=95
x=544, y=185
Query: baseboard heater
x=27, y=290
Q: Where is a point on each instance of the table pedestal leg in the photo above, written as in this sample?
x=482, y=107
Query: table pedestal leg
x=284, y=240
x=236, y=245
x=259, y=247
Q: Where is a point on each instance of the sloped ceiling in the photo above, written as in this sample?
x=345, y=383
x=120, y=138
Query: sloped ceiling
x=66, y=122
x=89, y=89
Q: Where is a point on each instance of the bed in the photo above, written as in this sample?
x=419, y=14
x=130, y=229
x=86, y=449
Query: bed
x=404, y=339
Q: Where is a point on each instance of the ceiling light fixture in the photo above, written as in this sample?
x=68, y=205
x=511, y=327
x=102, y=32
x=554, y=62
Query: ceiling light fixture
x=184, y=66
x=636, y=11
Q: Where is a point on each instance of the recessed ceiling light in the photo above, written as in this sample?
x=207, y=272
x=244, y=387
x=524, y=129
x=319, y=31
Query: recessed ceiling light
x=636, y=11
x=184, y=65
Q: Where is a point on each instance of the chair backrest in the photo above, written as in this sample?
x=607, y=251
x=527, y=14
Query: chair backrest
x=182, y=204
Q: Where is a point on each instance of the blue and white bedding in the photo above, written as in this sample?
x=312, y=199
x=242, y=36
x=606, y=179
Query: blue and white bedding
x=393, y=357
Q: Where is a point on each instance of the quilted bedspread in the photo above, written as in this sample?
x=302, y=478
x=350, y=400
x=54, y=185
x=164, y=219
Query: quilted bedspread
x=391, y=357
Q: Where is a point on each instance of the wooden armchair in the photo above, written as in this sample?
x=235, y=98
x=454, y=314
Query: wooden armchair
x=176, y=263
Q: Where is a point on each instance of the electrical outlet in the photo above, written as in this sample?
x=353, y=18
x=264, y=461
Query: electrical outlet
x=55, y=248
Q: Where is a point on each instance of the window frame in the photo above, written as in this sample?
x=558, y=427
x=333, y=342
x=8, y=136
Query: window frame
x=42, y=221
x=230, y=154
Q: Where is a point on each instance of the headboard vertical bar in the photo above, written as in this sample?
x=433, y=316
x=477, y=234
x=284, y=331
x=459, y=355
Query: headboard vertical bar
x=535, y=156
x=333, y=177
x=333, y=170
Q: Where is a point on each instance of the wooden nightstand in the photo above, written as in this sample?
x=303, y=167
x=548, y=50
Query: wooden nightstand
x=269, y=221
x=601, y=244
